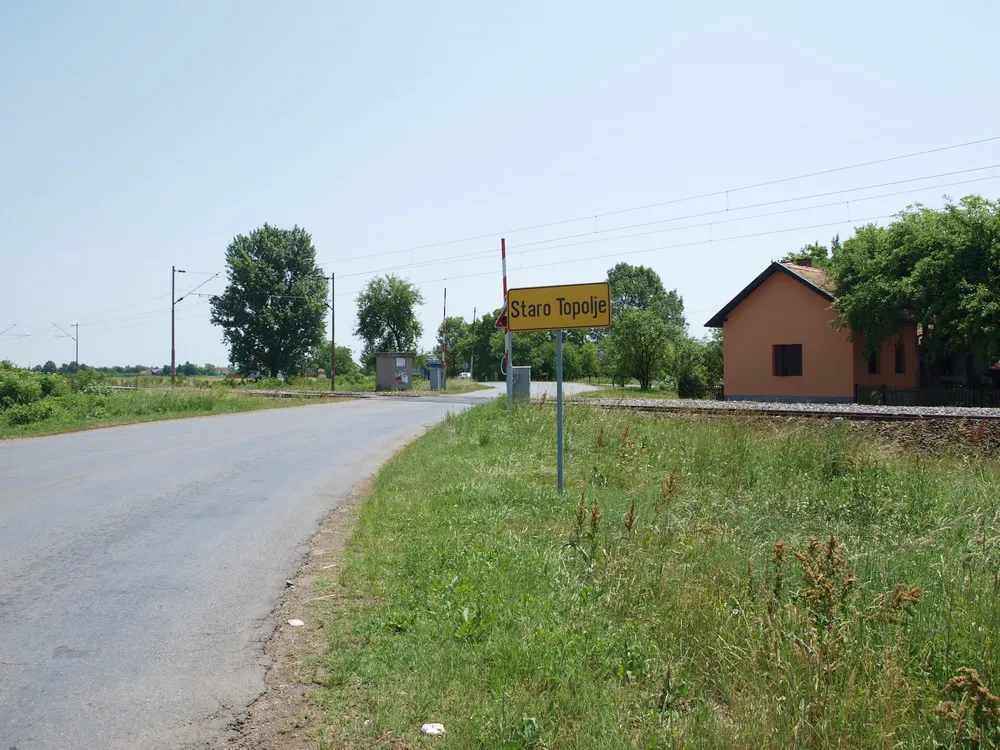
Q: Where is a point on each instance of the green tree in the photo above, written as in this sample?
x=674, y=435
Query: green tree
x=641, y=288
x=640, y=343
x=273, y=310
x=457, y=337
x=319, y=359
x=814, y=251
x=936, y=268
x=487, y=360
x=712, y=355
x=590, y=366
x=686, y=367
x=209, y=369
x=387, y=317
x=50, y=367
x=188, y=369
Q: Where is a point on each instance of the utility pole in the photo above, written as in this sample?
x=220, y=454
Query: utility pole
x=333, y=341
x=444, y=342
x=472, y=354
x=173, y=325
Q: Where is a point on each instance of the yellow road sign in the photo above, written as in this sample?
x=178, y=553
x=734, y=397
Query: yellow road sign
x=559, y=308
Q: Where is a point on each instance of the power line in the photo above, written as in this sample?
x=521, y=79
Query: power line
x=694, y=243
x=490, y=253
x=675, y=201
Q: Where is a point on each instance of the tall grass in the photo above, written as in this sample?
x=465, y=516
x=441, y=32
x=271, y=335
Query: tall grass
x=701, y=583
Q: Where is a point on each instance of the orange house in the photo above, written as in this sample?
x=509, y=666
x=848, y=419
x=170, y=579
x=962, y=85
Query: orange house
x=779, y=344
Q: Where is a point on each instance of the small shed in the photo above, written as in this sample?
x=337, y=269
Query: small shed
x=393, y=371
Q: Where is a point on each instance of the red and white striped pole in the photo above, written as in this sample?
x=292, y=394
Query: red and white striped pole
x=508, y=351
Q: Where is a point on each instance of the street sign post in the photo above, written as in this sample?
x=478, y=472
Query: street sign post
x=558, y=308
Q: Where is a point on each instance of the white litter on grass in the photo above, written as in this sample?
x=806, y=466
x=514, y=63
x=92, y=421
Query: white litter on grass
x=296, y=623
x=435, y=729
x=367, y=722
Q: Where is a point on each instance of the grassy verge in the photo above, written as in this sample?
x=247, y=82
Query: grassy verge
x=83, y=410
x=616, y=392
x=701, y=583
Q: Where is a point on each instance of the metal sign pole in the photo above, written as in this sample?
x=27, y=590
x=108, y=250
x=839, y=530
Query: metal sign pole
x=508, y=354
x=559, y=410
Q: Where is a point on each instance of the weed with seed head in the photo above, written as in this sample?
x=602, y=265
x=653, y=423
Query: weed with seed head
x=974, y=697
x=669, y=485
x=898, y=604
x=828, y=580
x=777, y=562
x=630, y=517
x=599, y=438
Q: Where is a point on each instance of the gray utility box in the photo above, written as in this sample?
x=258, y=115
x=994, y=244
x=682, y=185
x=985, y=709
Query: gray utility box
x=437, y=377
x=522, y=382
x=393, y=371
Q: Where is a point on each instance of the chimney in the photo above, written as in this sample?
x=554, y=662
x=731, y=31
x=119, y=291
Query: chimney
x=807, y=262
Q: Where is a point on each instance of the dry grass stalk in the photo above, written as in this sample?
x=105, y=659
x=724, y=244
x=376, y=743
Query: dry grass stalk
x=630, y=517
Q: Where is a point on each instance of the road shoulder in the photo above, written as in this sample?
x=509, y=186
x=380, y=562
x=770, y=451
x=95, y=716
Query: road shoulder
x=283, y=716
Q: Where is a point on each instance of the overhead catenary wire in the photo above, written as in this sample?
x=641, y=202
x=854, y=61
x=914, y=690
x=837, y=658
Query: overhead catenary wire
x=591, y=240
x=674, y=201
x=695, y=243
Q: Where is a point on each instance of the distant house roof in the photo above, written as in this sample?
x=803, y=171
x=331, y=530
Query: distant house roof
x=814, y=278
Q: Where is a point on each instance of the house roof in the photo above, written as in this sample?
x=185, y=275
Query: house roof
x=814, y=278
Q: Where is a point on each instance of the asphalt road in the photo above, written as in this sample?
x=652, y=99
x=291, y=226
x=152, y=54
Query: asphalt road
x=140, y=565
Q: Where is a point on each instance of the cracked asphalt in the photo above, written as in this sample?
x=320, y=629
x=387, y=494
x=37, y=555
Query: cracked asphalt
x=140, y=566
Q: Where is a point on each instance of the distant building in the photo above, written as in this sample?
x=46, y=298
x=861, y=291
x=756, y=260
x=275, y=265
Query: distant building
x=779, y=344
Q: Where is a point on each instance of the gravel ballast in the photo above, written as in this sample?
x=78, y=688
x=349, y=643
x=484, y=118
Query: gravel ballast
x=861, y=411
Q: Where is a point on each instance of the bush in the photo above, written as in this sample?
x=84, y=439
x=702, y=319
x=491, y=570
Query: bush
x=53, y=385
x=90, y=381
x=30, y=413
x=18, y=387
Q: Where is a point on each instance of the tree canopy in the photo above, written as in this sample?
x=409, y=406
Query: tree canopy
x=936, y=268
x=640, y=342
x=274, y=308
x=641, y=288
x=814, y=251
x=387, y=318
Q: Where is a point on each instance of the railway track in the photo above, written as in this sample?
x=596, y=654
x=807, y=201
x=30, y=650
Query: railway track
x=819, y=411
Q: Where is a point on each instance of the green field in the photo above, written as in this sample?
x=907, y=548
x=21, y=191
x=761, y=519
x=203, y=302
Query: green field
x=104, y=408
x=722, y=583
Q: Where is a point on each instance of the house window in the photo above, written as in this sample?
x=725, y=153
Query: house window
x=787, y=359
x=873, y=364
x=900, y=358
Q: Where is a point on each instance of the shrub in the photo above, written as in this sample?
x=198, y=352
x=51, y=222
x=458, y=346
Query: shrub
x=18, y=387
x=53, y=385
x=90, y=381
x=30, y=413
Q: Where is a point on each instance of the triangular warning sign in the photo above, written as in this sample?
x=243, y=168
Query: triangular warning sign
x=502, y=320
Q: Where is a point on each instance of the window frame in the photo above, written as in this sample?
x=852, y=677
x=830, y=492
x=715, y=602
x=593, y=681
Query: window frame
x=781, y=365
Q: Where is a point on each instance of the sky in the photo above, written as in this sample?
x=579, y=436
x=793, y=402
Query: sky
x=139, y=136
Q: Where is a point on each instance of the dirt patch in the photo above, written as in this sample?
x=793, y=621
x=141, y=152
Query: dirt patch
x=283, y=718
